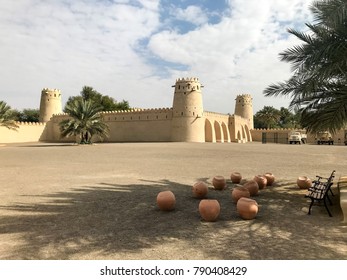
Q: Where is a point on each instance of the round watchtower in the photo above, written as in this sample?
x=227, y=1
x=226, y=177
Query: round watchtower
x=50, y=104
x=187, y=121
x=244, y=108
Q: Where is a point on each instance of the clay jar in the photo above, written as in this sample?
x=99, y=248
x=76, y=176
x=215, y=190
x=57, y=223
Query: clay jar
x=261, y=180
x=200, y=189
x=304, y=182
x=209, y=209
x=236, y=177
x=238, y=192
x=252, y=187
x=219, y=182
x=270, y=178
x=166, y=200
x=247, y=208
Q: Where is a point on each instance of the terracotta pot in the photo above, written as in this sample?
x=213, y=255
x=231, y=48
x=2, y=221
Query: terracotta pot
x=238, y=192
x=200, y=189
x=219, y=182
x=261, y=180
x=166, y=200
x=304, y=182
x=252, y=187
x=247, y=208
x=209, y=209
x=236, y=177
x=270, y=178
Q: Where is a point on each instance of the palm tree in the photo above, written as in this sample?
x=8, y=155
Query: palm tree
x=85, y=121
x=318, y=86
x=6, y=116
x=268, y=117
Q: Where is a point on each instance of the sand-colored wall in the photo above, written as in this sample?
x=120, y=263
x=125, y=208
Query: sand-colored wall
x=226, y=128
x=338, y=137
x=240, y=128
x=257, y=134
x=151, y=125
x=216, y=127
x=27, y=132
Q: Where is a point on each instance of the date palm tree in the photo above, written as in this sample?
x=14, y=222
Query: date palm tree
x=6, y=116
x=318, y=86
x=85, y=121
x=268, y=116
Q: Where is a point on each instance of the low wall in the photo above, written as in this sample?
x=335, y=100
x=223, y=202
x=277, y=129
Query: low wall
x=27, y=132
x=257, y=135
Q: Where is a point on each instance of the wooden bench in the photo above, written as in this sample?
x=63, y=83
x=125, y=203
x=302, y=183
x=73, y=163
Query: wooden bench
x=342, y=187
x=319, y=192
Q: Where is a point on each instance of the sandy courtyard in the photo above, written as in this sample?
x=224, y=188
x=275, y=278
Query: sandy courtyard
x=99, y=202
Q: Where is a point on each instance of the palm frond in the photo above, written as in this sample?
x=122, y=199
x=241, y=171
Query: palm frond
x=318, y=84
x=85, y=120
x=5, y=116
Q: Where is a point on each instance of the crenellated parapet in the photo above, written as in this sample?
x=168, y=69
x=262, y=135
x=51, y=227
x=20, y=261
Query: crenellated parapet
x=31, y=123
x=244, y=95
x=244, y=99
x=60, y=114
x=215, y=115
x=186, y=85
x=133, y=115
x=138, y=111
x=187, y=79
x=54, y=93
x=275, y=129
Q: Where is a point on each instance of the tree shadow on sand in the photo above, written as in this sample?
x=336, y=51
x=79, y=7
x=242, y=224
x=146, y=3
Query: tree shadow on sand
x=113, y=221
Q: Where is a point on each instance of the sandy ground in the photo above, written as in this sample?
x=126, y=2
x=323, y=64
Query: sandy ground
x=99, y=202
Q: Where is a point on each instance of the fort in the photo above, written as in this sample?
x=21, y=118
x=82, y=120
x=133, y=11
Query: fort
x=185, y=121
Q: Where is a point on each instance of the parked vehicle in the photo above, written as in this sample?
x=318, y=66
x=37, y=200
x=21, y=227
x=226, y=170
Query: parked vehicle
x=324, y=137
x=296, y=137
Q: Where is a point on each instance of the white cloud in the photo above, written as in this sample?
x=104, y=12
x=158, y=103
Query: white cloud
x=51, y=44
x=192, y=14
x=239, y=54
x=69, y=44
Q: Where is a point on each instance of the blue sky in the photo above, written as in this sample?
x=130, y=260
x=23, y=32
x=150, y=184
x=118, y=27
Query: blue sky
x=136, y=49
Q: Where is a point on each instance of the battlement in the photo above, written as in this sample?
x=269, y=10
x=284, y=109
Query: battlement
x=60, y=115
x=183, y=85
x=187, y=80
x=138, y=110
x=245, y=97
x=52, y=92
x=276, y=129
x=51, y=89
x=31, y=123
x=131, y=115
x=214, y=114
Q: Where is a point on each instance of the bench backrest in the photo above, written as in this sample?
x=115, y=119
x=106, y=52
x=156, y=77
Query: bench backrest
x=319, y=190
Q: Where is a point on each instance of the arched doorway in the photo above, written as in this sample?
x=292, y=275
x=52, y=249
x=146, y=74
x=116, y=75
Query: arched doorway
x=209, y=133
x=218, y=131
